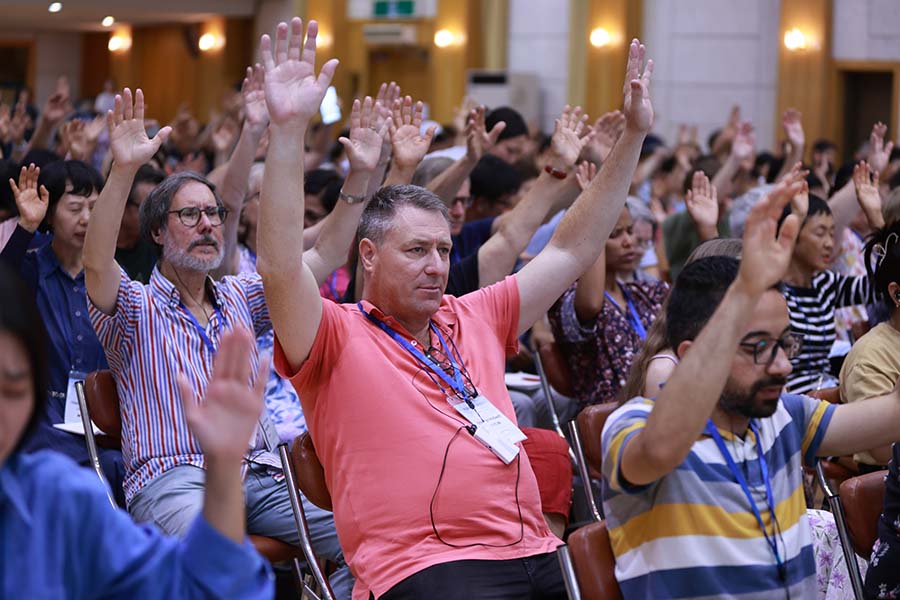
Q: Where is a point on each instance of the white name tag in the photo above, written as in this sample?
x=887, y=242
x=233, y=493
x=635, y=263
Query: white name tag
x=73, y=411
x=492, y=427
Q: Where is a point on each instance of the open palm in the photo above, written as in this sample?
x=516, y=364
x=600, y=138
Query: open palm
x=363, y=147
x=637, y=106
x=293, y=91
x=31, y=204
x=128, y=139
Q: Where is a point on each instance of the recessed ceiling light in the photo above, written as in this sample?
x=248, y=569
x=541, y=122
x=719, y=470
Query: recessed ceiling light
x=55, y=7
x=107, y=21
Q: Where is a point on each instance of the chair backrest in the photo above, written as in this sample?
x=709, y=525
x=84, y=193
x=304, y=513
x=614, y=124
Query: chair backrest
x=309, y=472
x=832, y=394
x=103, y=402
x=594, y=562
x=590, y=425
x=863, y=499
x=556, y=368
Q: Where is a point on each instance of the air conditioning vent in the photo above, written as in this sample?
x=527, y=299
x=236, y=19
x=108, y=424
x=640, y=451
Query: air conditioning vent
x=389, y=34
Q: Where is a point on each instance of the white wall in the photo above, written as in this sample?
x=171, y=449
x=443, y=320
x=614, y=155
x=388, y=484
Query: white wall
x=866, y=30
x=710, y=55
x=55, y=54
x=539, y=44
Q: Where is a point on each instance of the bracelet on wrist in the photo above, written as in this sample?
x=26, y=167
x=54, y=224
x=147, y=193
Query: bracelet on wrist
x=557, y=173
x=351, y=199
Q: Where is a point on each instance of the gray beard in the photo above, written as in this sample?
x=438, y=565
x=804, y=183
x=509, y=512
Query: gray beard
x=182, y=259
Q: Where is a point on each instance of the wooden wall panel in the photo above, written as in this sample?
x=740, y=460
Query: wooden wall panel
x=95, y=63
x=806, y=79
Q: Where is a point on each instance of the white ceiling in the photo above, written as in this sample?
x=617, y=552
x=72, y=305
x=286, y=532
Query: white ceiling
x=26, y=16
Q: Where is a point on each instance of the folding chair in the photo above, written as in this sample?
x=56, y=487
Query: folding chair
x=585, y=432
x=554, y=372
x=861, y=499
x=99, y=398
x=589, y=565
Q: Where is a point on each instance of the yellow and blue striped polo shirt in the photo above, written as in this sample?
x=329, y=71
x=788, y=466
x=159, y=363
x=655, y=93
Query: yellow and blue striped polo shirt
x=693, y=534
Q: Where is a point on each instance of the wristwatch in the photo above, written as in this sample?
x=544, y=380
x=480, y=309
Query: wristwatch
x=351, y=199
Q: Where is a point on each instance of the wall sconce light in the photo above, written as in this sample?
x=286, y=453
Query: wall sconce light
x=600, y=38
x=444, y=38
x=795, y=40
x=210, y=41
x=120, y=40
x=324, y=39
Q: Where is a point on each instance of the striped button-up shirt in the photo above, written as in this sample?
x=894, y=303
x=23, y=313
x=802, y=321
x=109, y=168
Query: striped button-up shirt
x=151, y=338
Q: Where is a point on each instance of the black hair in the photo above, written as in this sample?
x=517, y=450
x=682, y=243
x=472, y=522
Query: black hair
x=667, y=166
x=696, y=294
x=145, y=174
x=894, y=181
x=493, y=177
x=713, y=138
x=20, y=318
x=814, y=181
x=58, y=176
x=8, y=170
x=817, y=206
x=515, y=124
x=842, y=177
x=40, y=158
x=326, y=184
x=823, y=145
x=882, y=260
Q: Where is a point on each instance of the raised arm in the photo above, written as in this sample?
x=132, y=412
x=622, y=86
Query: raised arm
x=234, y=188
x=363, y=149
x=687, y=400
x=130, y=149
x=703, y=206
x=867, y=194
x=478, y=141
x=792, y=123
x=293, y=96
x=409, y=145
x=879, y=151
x=743, y=147
x=32, y=205
x=583, y=232
x=54, y=111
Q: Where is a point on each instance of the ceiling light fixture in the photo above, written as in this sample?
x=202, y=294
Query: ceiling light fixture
x=108, y=21
x=55, y=7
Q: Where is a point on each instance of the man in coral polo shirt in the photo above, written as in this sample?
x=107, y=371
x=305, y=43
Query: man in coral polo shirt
x=404, y=392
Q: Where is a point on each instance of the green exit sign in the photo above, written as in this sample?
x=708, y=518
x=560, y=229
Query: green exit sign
x=394, y=8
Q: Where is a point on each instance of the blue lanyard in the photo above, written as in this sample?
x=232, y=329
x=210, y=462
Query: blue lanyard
x=332, y=286
x=200, y=329
x=772, y=540
x=456, y=383
x=632, y=315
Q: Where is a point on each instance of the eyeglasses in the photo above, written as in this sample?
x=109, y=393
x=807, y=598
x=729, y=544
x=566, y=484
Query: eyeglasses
x=764, y=350
x=466, y=201
x=438, y=356
x=190, y=215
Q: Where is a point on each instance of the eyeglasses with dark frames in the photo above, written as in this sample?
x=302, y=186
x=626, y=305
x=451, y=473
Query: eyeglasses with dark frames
x=764, y=350
x=190, y=215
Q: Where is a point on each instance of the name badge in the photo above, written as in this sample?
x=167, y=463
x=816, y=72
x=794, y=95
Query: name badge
x=72, y=412
x=492, y=427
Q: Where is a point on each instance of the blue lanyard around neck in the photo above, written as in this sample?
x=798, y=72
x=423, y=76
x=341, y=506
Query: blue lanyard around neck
x=456, y=383
x=632, y=315
x=332, y=286
x=202, y=330
x=772, y=540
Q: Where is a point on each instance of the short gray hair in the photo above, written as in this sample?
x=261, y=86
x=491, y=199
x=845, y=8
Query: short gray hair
x=378, y=217
x=430, y=168
x=155, y=208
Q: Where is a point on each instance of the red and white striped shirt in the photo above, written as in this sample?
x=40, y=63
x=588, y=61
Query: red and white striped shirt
x=149, y=340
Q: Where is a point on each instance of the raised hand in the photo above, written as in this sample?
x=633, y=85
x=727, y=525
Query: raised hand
x=792, y=124
x=768, y=249
x=606, y=131
x=409, y=145
x=637, y=106
x=743, y=146
x=800, y=200
x=702, y=203
x=569, y=137
x=363, y=147
x=128, y=139
x=866, y=183
x=293, y=90
x=59, y=104
x=879, y=152
x=388, y=93
x=585, y=173
x=254, y=95
x=31, y=204
x=4, y=123
x=478, y=139
x=20, y=121
x=225, y=135
x=225, y=420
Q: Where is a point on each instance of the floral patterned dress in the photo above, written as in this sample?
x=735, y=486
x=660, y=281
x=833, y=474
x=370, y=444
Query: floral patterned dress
x=600, y=352
x=883, y=578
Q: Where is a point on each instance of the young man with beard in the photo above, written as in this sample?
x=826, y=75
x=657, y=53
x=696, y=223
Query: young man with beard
x=703, y=486
x=173, y=326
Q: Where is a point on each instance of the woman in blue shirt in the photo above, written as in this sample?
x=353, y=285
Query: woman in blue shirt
x=62, y=539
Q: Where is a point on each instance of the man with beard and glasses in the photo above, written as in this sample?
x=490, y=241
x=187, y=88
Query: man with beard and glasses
x=703, y=485
x=173, y=326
